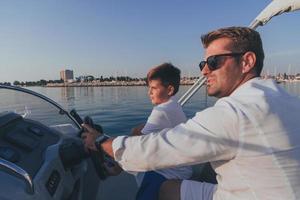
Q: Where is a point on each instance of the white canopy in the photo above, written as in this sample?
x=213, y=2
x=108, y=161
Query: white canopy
x=276, y=7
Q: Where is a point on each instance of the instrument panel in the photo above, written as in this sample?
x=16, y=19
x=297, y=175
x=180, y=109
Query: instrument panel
x=38, y=162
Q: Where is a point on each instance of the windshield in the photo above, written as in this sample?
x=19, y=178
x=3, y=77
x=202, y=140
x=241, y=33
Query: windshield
x=32, y=106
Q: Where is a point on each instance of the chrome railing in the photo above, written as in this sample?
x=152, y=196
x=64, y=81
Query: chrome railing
x=18, y=172
x=192, y=90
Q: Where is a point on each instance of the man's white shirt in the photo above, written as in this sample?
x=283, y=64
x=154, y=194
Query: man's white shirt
x=251, y=138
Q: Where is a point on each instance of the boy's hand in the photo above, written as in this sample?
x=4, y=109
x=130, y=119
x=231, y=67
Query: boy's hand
x=137, y=130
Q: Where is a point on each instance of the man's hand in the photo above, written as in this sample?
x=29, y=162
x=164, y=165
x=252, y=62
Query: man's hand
x=89, y=136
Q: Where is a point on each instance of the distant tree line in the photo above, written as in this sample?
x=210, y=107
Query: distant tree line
x=5, y=83
x=41, y=82
x=107, y=79
x=89, y=78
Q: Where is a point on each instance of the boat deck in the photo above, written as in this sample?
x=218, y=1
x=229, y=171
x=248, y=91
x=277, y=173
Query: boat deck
x=121, y=187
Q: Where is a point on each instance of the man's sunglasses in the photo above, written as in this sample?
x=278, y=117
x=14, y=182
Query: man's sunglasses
x=213, y=62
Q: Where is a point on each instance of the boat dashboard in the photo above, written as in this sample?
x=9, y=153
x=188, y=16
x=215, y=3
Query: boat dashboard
x=39, y=162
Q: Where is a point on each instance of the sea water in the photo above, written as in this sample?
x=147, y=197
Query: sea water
x=119, y=109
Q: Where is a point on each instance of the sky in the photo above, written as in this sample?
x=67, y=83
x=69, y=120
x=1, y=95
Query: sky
x=38, y=39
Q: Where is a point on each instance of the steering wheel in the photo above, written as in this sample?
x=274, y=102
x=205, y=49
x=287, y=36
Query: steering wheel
x=97, y=157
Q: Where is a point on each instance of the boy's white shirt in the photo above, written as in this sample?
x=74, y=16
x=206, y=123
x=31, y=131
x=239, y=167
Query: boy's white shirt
x=166, y=115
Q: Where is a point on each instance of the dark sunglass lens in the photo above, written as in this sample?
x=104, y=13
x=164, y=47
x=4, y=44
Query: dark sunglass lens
x=202, y=65
x=212, y=62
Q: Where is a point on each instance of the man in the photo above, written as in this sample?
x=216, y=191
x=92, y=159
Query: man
x=250, y=136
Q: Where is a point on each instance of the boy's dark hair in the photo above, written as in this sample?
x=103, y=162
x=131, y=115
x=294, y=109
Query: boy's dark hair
x=167, y=74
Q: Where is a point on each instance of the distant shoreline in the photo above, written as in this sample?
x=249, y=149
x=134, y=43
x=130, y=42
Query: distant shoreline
x=109, y=84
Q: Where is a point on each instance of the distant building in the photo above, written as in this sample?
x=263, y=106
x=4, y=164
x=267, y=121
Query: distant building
x=66, y=75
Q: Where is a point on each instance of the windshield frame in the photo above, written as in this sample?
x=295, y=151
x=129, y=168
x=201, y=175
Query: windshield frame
x=61, y=109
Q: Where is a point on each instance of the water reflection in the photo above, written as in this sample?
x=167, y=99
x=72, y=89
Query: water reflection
x=292, y=87
x=68, y=95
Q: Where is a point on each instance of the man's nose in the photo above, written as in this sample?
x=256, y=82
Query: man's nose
x=205, y=70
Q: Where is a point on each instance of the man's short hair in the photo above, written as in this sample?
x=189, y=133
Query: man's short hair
x=243, y=39
x=167, y=74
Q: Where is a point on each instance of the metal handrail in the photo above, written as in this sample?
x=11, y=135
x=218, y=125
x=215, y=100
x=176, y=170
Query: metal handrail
x=192, y=90
x=15, y=169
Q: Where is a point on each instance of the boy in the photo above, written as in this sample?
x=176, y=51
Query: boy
x=163, y=83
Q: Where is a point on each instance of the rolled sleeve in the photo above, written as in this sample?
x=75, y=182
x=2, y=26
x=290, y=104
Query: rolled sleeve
x=118, y=147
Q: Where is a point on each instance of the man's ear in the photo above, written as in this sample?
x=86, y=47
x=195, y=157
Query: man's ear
x=248, y=61
x=171, y=90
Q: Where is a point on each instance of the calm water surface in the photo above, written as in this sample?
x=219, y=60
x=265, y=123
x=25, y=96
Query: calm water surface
x=118, y=109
